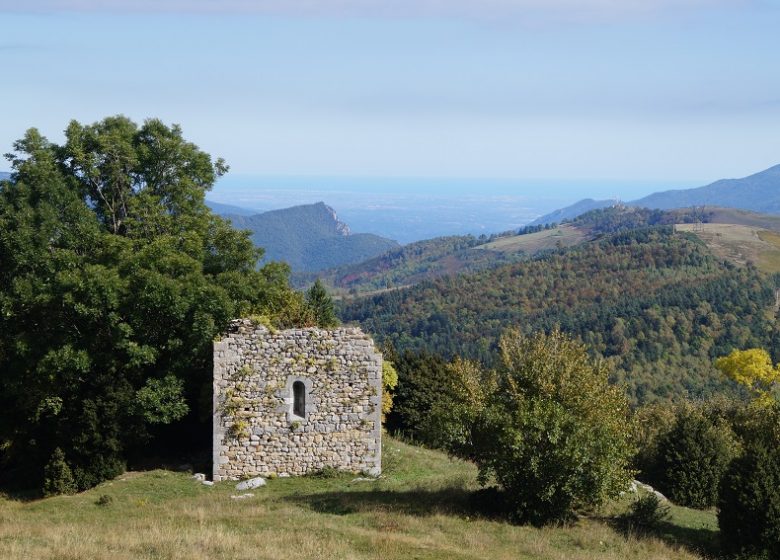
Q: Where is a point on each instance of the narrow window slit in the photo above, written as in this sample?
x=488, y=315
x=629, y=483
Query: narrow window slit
x=299, y=399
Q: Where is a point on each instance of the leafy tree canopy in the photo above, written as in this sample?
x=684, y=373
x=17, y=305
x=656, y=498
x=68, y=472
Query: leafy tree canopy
x=114, y=279
x=752, y=369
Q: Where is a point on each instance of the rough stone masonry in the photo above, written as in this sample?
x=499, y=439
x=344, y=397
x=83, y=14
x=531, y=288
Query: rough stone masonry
x=295, y=401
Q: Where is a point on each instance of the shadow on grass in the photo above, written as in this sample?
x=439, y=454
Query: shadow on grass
x=16, y=485
x=699, y=540
x=702, y=541
x=449, y=501
x=20, y=495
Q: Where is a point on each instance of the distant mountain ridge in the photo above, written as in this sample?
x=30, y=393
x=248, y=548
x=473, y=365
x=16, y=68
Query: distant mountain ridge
x=310, y=237
x=230, y=210
x=759, y=192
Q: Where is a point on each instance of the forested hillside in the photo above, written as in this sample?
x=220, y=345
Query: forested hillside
x=413, y=263
x=655, y=303
x=432, y=258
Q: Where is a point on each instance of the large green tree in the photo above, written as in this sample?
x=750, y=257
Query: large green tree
x=114, y=279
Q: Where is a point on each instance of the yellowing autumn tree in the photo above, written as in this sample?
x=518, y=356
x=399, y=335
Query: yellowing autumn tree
x=753, y=369
x=389, y=381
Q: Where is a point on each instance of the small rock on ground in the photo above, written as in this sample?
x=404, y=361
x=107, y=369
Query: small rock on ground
x=256, y=482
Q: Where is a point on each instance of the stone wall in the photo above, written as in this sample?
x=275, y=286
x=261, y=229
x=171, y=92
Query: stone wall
x=256, y=430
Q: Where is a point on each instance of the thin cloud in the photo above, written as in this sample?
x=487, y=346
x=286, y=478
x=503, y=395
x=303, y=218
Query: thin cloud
x=479, y=9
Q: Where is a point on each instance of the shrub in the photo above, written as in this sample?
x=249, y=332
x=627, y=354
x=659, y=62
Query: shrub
x=554, y=433
x=104, y=500
x=98, y=469
x=57, y=476
x=327, y=471
x=695, y=455
x=453, y=420
x=749, y=503
x=756, y=425
x=646, y=514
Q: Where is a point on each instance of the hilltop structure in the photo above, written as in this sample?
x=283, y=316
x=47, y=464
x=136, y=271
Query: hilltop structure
x=295, y=401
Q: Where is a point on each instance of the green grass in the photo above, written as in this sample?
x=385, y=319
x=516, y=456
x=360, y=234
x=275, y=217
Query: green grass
x=419, y=509
x=693, y=528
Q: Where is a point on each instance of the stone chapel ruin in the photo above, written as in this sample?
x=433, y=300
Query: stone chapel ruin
x=295, y=401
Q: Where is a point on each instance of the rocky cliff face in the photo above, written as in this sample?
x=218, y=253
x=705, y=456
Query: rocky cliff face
x=341, y=227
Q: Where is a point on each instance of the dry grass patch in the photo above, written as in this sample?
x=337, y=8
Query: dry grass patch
x=740, y=243
x=531, y=243
x=420, y=509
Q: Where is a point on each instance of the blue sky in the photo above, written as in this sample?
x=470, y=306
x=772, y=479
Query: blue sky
x=651, y=90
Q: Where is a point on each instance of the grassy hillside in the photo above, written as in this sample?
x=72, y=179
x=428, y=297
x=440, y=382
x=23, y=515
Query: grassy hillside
x=310, y=238
x=740, y=244
x=532, y=243
x=418, y=509
x=742, y=217
x=658, y=305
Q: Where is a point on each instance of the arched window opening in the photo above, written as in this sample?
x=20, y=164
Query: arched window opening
x=299, y=399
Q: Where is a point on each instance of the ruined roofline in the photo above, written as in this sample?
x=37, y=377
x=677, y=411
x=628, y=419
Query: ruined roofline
x=245, y=324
